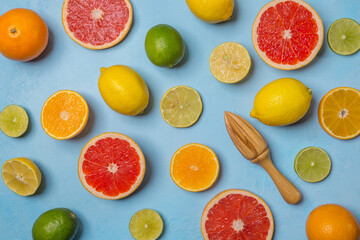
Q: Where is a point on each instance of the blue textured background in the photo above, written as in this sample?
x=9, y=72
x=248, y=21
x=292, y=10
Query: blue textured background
x=67, y=65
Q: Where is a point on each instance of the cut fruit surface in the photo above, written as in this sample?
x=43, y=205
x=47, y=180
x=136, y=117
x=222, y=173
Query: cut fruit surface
x=194, y=167
x=181, y=106
x=344, y=36
x=230, y=62
x=237, y=215
x=111, y=166
x=339, y=113
x=21, y=175
x=312, y=164
x=97, y=24
x=287, y=34
x=146, y=224
x=14, y=121
x=64, y=114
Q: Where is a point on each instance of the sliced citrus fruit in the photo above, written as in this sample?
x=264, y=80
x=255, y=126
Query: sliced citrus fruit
x=64, y=114
x=344, y=36
x=111, y=166
x=181, y=106
x=97, y=24
x=21, y=175
x=237, y=214
x=146, y=224
x=339, y=113
x=312, y=164
x=14, y=121
x=194, y=167
x=230, y=62
x=287, y=34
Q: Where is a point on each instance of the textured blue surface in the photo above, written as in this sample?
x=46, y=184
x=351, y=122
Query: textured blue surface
x=67, y=65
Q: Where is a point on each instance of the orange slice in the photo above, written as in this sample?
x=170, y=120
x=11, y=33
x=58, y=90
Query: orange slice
x=236, y=215
x=97, y=24
x=64, y=114
x=339, y=113
x=194, y=167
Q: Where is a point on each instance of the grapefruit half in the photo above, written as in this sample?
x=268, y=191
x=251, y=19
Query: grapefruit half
x=287, y=34
x=97, y=24
x=237, y=215
x=111, y=166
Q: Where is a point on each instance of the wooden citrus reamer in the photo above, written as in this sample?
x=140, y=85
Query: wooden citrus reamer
x=254, y=148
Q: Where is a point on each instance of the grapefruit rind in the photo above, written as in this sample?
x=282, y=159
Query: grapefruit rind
x=132, y=144
x=191, y=189
x=91, y=46
x=284, y=66
x=225, y=193
x=321, y=114
x=81, y=127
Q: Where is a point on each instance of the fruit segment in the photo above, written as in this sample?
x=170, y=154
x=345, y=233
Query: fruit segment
x=14, y=121
x=146, y=224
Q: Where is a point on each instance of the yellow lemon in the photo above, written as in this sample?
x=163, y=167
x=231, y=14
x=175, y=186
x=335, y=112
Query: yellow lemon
x=212, y=11
x=21, y=175
x=282, y=102
x=123, y=89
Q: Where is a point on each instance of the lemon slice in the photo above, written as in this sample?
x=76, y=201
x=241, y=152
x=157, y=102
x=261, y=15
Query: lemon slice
x=230, y=62
x=21, y=175
x=181, y=106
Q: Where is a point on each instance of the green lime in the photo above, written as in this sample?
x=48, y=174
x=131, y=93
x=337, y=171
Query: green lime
x=164, y=46
x=13, y=121
x=181, y=106
x=344, y=36
x=57, y=223
x=146, y=224
x=312, y=164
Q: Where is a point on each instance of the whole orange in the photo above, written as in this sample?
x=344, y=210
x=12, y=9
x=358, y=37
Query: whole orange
x=23, y=34
x=332, y=222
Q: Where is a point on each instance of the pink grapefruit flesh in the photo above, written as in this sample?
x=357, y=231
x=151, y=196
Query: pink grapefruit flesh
x=237, y=215
x=287, y=34
x=111, y=166
x=97, y=24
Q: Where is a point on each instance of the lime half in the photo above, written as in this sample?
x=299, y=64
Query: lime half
x=312, y=164
x=146, y=224
x=13, y=121
x=181, y=106
x=344, y=36
x=230, y=62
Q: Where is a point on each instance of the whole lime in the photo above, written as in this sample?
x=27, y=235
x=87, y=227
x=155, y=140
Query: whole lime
x=57, y=223
x=164, y=46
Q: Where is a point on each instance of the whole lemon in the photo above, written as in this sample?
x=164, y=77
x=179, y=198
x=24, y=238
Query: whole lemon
x=282, y=102
x=123, y=89
x=332, y=222
x=212, y=11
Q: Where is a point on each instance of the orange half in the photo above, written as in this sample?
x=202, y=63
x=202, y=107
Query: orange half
x=194, y=167
x=339, y=113
x=64, y=114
